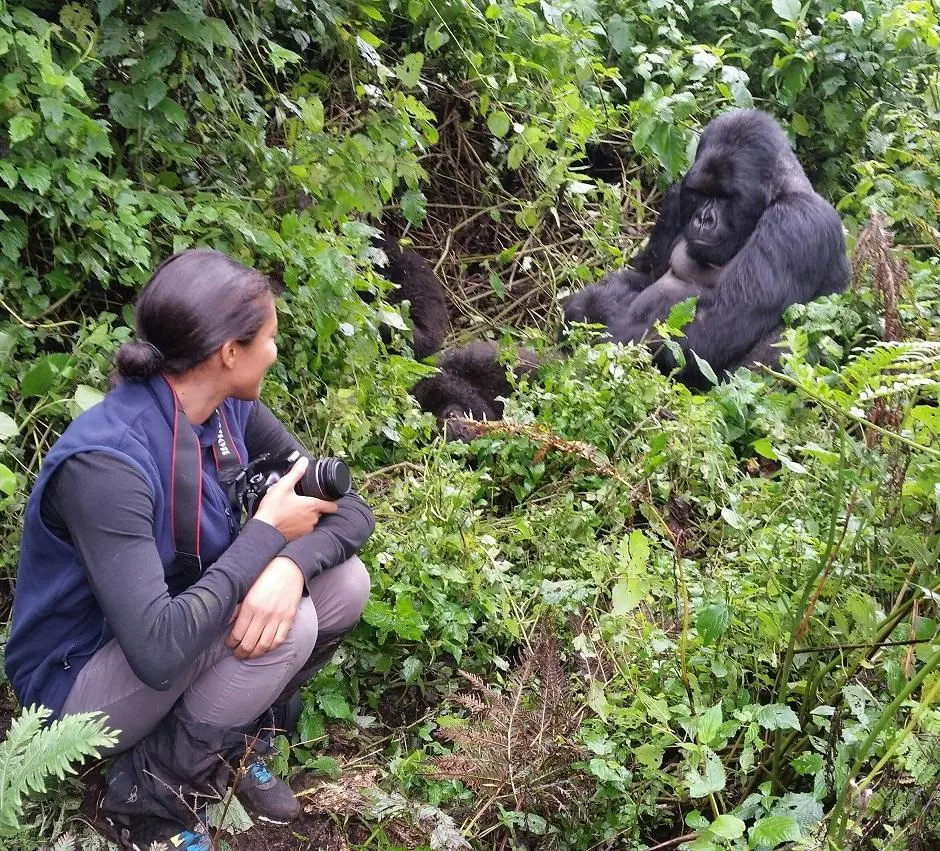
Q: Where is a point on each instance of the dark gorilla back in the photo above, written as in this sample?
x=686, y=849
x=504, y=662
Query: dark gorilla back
x=416, y=283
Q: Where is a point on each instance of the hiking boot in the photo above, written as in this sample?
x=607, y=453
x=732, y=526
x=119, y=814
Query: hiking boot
x=266, y=796
x=147, y=831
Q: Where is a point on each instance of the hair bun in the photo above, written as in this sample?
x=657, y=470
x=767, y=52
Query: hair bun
x=139, y=359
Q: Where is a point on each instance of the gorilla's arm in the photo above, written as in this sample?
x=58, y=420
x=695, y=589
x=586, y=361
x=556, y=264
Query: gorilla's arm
x=610, y=298
x=796, y=253
x=653, y=260
x=416, y=282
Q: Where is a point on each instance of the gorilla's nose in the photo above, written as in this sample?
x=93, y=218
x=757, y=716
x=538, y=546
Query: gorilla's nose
x=707, y=218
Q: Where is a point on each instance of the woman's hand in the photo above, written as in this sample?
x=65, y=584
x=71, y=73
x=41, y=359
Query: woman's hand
x=287, y=511
x=264, y=617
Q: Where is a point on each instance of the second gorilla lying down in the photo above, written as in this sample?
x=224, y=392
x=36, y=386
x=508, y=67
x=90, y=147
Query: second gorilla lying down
x=470, y=385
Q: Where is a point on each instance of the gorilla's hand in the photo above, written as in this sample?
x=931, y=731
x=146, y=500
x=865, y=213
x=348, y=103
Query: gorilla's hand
x=610, y=297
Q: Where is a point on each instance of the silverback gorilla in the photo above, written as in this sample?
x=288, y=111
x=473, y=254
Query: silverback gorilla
x=745, y=233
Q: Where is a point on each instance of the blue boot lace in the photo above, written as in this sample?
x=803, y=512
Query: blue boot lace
x=187, y=840
x=258, y=771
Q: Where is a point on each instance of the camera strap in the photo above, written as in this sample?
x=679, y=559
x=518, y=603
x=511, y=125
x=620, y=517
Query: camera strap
x=186, y=485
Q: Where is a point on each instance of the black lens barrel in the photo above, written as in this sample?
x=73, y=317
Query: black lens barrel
x=326, y=478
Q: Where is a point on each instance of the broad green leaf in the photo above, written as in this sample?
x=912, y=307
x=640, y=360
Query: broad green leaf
x=776, y=716
x=620, y=33
x=229, y=815
x=746, y=761
x=656, y=708
x=800, y=124
x=8, y=173
x=435, y=37
x=37, y=177
x=597, y=700
x=727, y=826
x=682, y=313
x=311, y=728
x=627, y=595
x=706, y=369
x=411, y=668
x=371, y=12
x=414, y=206
x=409, y=70
x=789, y=10
x=807, y=763
x=106, y=7
x=773, y=831
x=334, y=705
x=43, y=376
x=763, y=447
x=854, y=20
x=324, y=765
x=8, y=426
x=379, y=615
x=713, y=621
x=803, y=806
x=85, y=397
x=708, y=777
x=188, y=26
x=709, y=723
x=172, y=112
x=311, y=113
x=605, y=770
x=21, y=127
x=517, y=153
x=281, y=57
x=696, y=820
x=634, y=549
x=497, y=285
x=649, y=755
x=8, y=482
x=668, y=143
x=498, y=122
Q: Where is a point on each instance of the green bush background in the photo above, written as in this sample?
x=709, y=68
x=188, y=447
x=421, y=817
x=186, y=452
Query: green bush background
x=675, y=543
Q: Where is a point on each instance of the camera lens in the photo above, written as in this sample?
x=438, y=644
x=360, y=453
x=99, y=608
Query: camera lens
x=326, y=478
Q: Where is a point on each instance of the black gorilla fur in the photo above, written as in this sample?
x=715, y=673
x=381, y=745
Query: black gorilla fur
x=416, y=282
x=468, y=384
x=747, y=210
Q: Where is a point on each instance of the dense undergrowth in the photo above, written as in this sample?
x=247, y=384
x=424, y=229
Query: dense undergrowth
x=687, y=618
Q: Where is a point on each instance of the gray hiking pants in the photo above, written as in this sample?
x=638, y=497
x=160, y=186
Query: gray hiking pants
x=218, y=689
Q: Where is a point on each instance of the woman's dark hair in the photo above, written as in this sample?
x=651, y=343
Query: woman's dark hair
x=192, y=304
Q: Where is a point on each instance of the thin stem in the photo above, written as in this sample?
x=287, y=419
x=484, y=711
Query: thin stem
x=839, y=816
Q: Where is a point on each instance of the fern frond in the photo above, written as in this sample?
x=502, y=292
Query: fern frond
x=66, y=842
x=32, y=752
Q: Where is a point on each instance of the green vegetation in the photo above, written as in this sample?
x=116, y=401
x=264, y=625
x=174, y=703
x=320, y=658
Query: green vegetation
x=687, y=618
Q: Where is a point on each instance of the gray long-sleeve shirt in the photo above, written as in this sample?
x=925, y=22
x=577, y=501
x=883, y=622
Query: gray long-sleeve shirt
x=104, y=507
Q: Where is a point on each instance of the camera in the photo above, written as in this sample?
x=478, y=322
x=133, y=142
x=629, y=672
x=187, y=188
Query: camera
x=324, y=478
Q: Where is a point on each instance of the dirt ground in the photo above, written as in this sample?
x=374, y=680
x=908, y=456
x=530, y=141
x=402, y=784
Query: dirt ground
x=328, y=822
x=313, y=831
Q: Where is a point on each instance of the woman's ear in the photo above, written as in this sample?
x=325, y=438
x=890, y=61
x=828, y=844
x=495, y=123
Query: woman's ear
x=227, y=353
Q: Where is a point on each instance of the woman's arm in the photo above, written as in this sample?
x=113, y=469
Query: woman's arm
x=337, y=536
x=104, y=506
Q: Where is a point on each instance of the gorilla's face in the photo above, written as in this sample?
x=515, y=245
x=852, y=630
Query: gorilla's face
x=718, y=195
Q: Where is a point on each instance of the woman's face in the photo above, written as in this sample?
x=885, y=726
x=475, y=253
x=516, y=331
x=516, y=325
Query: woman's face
x=254, y=359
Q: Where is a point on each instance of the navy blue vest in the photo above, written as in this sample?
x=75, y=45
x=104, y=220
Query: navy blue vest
x=57, y=622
